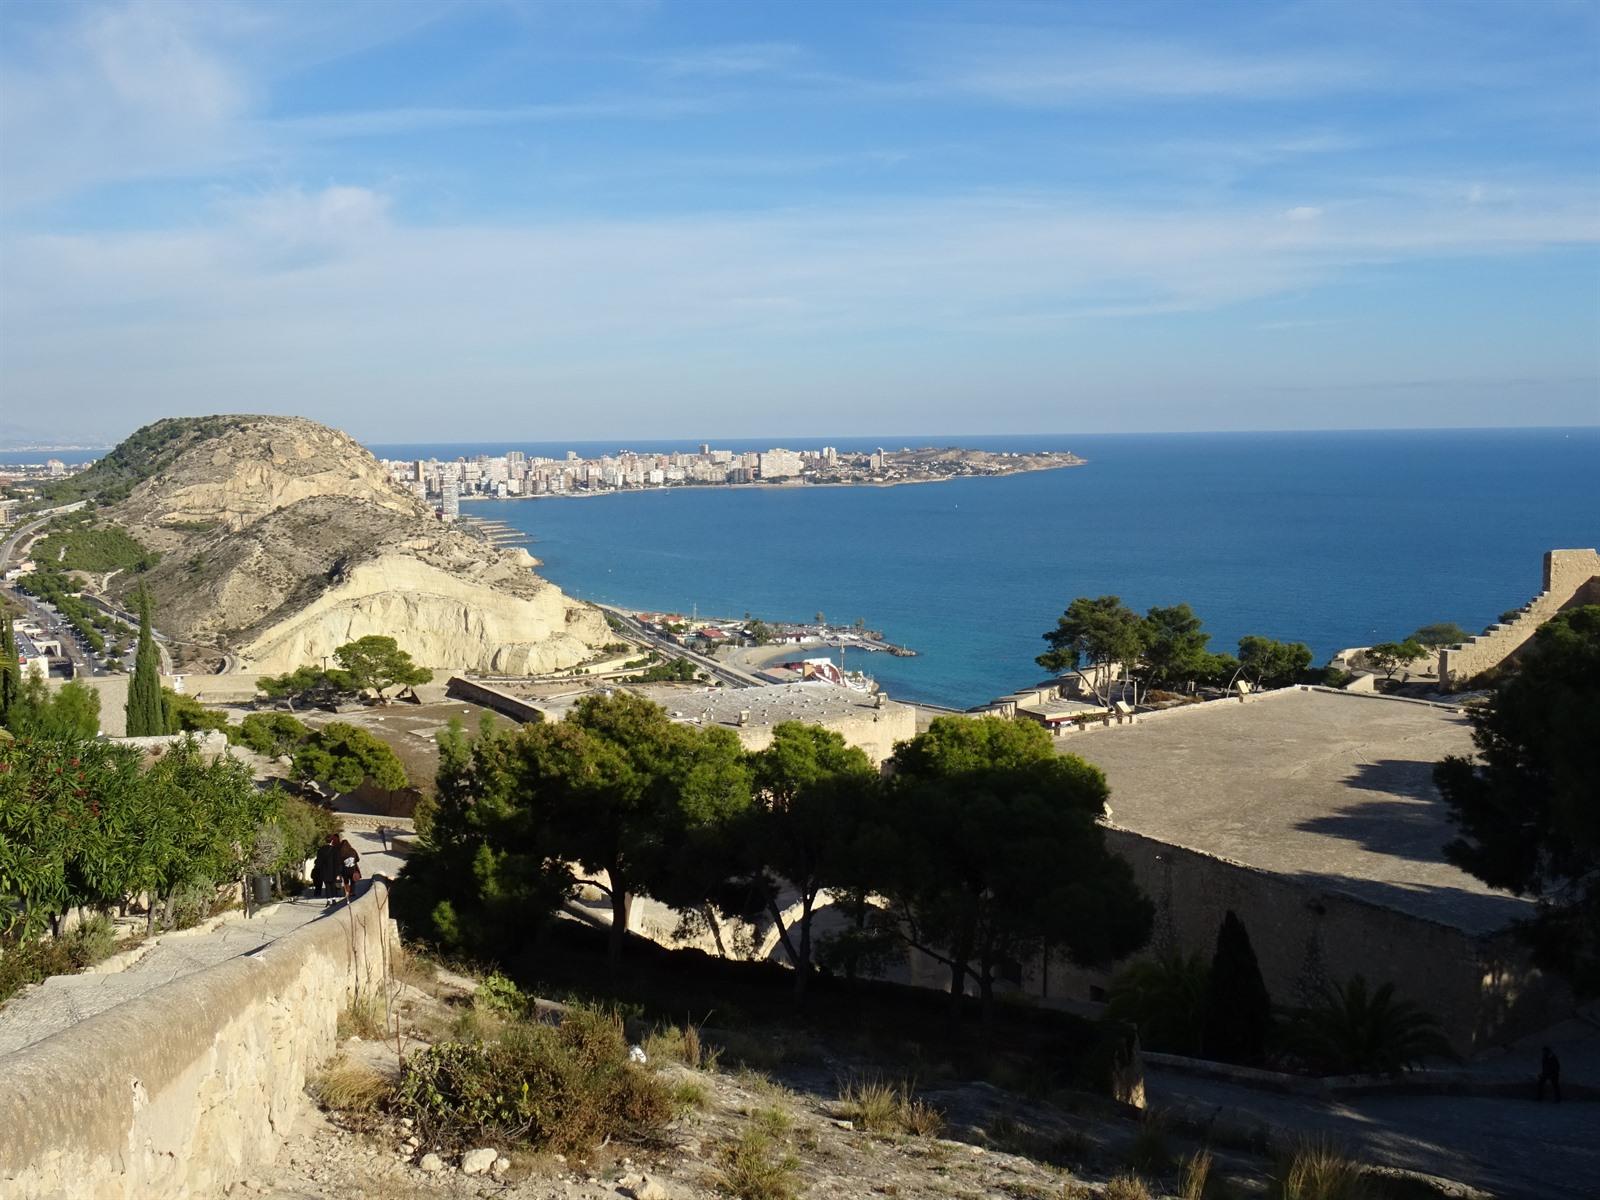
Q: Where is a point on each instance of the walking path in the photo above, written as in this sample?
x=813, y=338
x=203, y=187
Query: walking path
x=1506, y=1146
x=63, y=1000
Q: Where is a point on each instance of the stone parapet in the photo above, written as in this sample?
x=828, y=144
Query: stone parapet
x=185, y=1088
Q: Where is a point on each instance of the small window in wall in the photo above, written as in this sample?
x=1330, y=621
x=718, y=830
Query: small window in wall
x=1097, y=994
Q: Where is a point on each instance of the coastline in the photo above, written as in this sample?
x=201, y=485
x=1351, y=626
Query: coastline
x=768, y=487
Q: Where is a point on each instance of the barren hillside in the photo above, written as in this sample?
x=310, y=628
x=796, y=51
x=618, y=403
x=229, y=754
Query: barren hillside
x=282, y=539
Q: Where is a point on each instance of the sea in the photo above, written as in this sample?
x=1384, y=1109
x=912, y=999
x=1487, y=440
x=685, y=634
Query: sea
x=1334, y=539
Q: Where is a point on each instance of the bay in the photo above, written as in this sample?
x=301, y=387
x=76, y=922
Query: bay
x=1334, y=539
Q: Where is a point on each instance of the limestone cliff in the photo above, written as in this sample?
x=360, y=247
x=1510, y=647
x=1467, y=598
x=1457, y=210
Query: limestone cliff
x=282, y=539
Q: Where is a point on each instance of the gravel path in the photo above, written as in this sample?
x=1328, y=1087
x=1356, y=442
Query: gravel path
x=64, y=1000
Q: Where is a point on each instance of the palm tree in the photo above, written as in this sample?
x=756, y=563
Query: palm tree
x=1350, y=1031
x=1165, y=998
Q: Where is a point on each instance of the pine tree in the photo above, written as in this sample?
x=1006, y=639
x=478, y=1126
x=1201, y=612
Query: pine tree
x=10, y=673
x=1238, y=1013
x=146, y=715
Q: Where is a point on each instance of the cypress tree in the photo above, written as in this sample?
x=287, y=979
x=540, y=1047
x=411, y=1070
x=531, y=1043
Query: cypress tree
x=1238, y=1013
x=146, y=717
x=10, y=673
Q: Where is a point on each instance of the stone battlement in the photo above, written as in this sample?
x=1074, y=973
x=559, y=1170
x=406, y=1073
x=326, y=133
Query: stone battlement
x=1571, y=577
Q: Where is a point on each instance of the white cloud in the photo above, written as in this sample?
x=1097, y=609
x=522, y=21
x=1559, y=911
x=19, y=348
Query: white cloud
x=1303, y=212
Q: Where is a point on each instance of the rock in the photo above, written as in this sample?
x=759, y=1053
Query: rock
x=431, y=1163
x=479, y=1161
x=648, y=1188
x=636, y=1054
x=405, y=1122
x=501, y=1165
x=845, y=1124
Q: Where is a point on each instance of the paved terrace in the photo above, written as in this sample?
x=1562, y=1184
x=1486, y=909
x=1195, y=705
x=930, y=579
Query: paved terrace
x=815, y=700
x=1334, y=788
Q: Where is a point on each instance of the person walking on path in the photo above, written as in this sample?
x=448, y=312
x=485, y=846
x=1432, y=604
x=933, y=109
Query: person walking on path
x=1550, y=1072
x=349, y=867
x=325, y=874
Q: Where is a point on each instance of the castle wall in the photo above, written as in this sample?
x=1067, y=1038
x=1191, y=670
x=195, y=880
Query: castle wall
x=1482, y=989
x=1570, y=577
x=181, y=1090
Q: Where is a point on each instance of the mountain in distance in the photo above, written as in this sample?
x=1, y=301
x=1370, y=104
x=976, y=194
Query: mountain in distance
x=281, y=539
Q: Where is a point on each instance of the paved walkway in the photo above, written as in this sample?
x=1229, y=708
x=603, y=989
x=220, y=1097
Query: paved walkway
x=64, y=1000
x=1508, y=1147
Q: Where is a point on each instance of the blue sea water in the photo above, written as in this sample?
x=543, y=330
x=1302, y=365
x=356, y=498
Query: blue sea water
x=1334, y=539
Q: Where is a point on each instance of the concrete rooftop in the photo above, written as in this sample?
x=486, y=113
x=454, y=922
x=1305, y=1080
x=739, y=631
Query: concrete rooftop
x=1331, y=788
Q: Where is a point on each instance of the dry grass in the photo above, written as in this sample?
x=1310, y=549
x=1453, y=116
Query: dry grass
x=363, y=1017
x=681, y=1044
x=753, y=1169
x=762, y=1085
x=690, y=1095
x=1318, y=1170
x=878, y=1106
x=1126, y=1187
x=1195, y=1175
x=351, y=1087
x=412, y=969
x=774, y=1122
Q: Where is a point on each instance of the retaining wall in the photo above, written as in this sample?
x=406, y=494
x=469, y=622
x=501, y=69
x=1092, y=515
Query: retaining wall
x=189, y=1086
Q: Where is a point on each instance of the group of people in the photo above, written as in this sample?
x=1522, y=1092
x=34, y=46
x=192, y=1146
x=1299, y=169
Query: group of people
x=336, y=870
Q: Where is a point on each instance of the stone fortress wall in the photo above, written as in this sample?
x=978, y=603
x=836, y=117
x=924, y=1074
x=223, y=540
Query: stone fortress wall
x=185, y=1088
x=1306, y=934
x=1571, y=577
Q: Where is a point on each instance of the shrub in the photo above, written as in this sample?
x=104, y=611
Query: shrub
x=563, y=1088
x=1350, y=1030
x=95, y=940
x=497, y=994
x=31, y=962
x=682, y=1044
x=751, y=1170
x=1150, y=1151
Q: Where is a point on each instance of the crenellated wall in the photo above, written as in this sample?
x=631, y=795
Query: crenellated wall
x=180, y=1091
x=1570, y=577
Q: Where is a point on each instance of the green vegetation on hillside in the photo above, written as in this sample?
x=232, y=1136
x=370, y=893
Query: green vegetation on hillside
x=76, y=542
x=145, y=452
x=374, y=663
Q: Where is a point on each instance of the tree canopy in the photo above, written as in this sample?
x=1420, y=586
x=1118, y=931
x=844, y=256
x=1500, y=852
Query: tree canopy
x=1174, y=646
x=1268, y=663
x=378, y=663
x=1002, y=856
x=1097, y=633
x=1528, y=802
x=1389, y=657
x=341, y=757
x=1440, y=633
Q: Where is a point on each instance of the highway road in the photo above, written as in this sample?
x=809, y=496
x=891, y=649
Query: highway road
x=666, y=646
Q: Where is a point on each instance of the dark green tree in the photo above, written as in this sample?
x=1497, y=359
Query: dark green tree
x=1389, y=657
x=618, y=787
x=72, y=713
x=1441, y=633
x=1268, y=664
x=1002, y=857
x=1166, y=998
x=1097, y=633
x=377, y=662
x=341, y=757
x=812, y=796
x=145, y=715
x=1528, y=803
x=1174, y=646
x=308, y=686
x=1238, y=1011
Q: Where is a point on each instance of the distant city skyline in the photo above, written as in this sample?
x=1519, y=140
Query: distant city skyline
x=541, y=220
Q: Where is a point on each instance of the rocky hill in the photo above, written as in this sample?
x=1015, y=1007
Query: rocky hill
x=282, y=539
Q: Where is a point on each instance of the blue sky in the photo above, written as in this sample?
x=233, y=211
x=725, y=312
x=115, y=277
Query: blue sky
x=424, y=220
